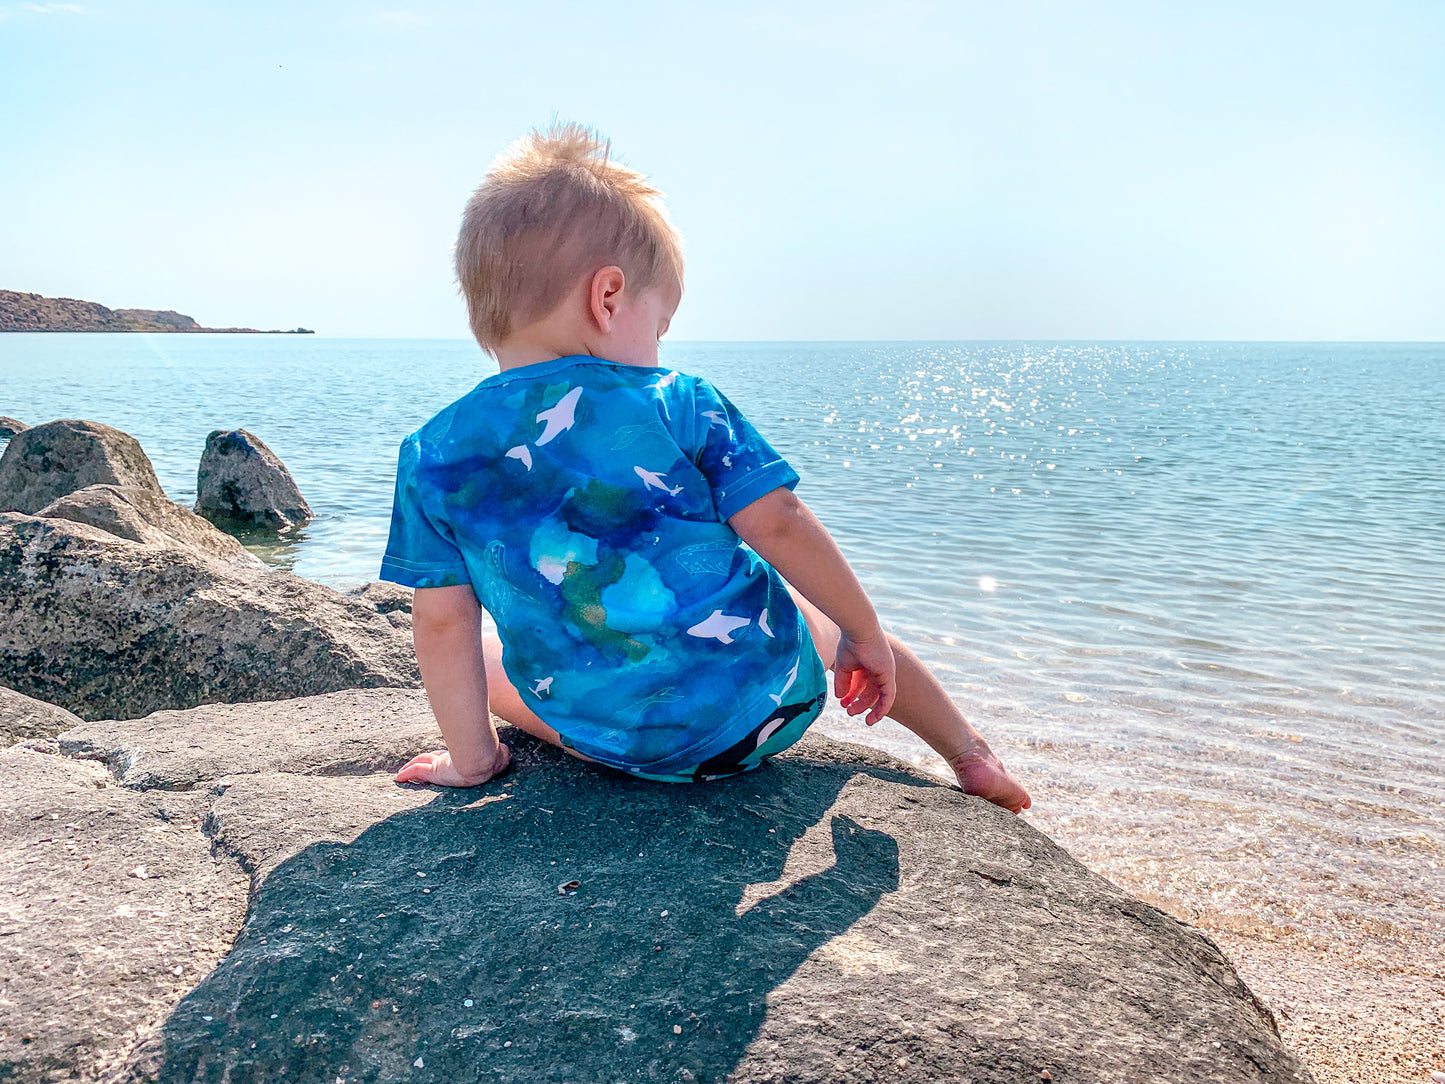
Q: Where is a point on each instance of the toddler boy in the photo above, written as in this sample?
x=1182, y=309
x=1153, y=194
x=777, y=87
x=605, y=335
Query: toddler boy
x=596, y=506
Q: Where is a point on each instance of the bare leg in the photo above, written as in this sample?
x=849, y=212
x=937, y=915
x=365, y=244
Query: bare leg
x=924, y=708
x=506, y=703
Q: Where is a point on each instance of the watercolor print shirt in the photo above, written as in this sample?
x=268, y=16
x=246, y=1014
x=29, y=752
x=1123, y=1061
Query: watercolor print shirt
x=585, y=502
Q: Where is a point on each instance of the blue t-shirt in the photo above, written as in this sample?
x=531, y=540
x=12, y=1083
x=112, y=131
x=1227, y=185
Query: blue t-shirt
x=586, y=504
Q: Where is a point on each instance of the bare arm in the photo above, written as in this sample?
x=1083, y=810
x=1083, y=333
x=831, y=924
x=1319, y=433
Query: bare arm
x=786, y=534
x=447, y=632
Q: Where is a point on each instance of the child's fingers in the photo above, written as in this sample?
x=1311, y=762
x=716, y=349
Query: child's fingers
x=886, y=695
x=417, y=770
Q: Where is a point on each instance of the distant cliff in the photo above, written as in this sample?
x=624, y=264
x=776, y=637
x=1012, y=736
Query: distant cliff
x=32, y=312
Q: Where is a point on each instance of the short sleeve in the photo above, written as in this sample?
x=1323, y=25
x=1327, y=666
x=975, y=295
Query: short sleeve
x=419, y=551
x=738, y=463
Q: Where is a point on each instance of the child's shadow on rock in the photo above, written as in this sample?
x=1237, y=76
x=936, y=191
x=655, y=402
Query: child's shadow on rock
x=492, y=967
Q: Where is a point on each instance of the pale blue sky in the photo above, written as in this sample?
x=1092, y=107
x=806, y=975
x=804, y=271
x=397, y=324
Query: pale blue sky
x=839, y=170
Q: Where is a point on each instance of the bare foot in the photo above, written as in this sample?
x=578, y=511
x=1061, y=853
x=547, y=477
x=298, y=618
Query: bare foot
x=980, y=772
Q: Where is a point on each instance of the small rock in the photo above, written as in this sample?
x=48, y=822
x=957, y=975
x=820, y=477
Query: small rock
x=383, y=597
x=241, y=481
x=23, y=718
x=9, y=427
x=419, y=1063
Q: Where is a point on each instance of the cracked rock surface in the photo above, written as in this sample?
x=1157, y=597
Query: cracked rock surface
x=829, y=917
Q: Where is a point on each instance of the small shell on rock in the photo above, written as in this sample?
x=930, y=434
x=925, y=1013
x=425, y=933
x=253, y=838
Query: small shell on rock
x=419, y=1063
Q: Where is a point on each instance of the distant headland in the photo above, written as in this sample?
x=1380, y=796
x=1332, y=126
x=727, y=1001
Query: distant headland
x=32, y=312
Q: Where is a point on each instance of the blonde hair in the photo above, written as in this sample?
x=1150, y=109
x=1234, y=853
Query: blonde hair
x=552, y=208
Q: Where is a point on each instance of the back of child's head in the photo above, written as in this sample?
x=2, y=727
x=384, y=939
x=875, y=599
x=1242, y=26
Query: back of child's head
x=552, y=209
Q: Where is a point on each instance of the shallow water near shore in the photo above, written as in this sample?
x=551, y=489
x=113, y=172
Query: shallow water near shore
x=1193, y=593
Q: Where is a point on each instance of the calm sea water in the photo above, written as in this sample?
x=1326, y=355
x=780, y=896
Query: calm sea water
x=1195, y=594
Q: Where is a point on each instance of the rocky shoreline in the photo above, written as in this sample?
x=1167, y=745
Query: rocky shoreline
x=34, y=312
x=209, y=874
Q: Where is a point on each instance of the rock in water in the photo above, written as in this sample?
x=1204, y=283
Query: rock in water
x=144, y=516
x=48, y=461
x=9, y=427
x=241, y=481
x=832, y=917
x=107, y=626
x=23, y=718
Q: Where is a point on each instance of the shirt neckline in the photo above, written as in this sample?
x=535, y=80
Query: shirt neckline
x=547, y=368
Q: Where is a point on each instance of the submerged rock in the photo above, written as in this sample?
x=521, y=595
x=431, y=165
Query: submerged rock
x=23, y=718
x=9, y=427
x=108, y=626
x=829, y=917
x=241, y=482
x=142, y=515
x=48, y=461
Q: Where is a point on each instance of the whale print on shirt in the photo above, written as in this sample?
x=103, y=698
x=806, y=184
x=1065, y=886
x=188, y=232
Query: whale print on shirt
x=715, y=557
x=652, y=479
x=592, y=569
x=559, y=418
x=792, y=677
x=716, y=417
x=721, y=627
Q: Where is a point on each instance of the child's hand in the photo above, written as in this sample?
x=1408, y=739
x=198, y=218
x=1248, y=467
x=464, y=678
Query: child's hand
x=863, y=676
x=438, y=768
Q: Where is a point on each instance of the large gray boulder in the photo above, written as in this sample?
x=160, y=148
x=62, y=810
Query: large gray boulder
x=23, y=718
x=108, y=626
x=830, y=917
x=48, y=461
x=9, y=427
x=241, y=482
x=112, y=907
x=144, y=516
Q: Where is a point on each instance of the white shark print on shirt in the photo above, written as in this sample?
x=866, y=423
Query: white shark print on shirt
x=543, y=686
x=720, y=626
x=664, y=380
x=652, y=479
x=522, y=452
x=559, y=418
x=763, y=624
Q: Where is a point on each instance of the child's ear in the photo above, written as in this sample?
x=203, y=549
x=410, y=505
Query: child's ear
x=604, y=295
